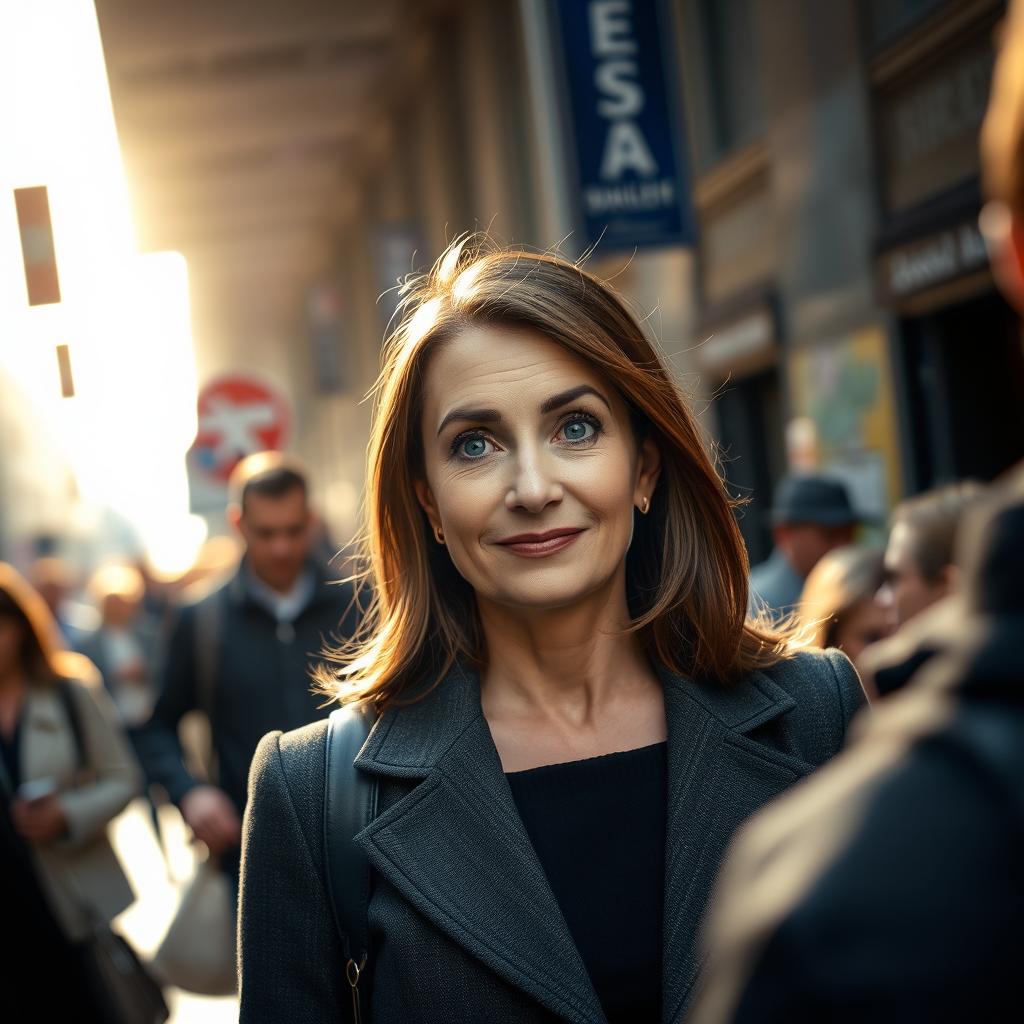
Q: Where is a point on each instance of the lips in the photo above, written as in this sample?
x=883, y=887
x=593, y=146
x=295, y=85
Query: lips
x=536, y=545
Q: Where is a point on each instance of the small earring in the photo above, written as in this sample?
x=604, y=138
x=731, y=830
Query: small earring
x=645, y=505
x=439, y=534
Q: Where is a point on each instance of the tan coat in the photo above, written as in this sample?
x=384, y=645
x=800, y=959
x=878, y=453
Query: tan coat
x=81, y=872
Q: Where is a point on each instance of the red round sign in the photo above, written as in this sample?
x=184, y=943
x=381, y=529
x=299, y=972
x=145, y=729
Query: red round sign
x=238, y=416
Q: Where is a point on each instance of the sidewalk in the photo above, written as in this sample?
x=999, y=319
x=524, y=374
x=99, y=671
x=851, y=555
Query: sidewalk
x=145, y=922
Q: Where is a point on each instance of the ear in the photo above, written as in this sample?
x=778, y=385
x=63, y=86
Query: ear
x=1007, y=255
x=425, y=496
x=233, y=515
x=648, y=471
x=1015, y=256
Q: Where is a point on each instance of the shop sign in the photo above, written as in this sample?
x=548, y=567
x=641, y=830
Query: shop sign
x=633, y=188
x=930, y=127
x=742, y=345
x=932, y=261
x=41, y=281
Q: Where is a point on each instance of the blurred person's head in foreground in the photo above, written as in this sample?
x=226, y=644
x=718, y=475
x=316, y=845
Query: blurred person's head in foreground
x=520, y=403
x=811, y=515
x=1002, y=153
x=919, y=567
x=118, y=591
x=269, y=507
x=28, y=648
x=52, y=578
x=839, y=599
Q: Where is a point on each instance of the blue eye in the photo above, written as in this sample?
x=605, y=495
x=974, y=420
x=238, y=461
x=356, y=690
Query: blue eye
x=472, y=447
x=578, y=430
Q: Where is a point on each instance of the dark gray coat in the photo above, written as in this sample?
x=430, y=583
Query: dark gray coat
x=463, y=923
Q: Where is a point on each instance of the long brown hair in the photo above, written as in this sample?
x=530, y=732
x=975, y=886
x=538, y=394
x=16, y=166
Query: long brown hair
x=687, y=566
x=43, y=658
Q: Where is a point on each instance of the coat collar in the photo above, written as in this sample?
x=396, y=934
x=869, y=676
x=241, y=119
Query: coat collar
x=408, y=741
x=240, y=592
x=456, y=849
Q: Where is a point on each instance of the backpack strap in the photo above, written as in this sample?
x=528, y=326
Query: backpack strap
x=208, y=629
x=67, y=699
x=350, y=804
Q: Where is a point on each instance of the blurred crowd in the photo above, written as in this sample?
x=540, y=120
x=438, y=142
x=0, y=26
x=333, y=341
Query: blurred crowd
x=886, y=888
x=119, y=688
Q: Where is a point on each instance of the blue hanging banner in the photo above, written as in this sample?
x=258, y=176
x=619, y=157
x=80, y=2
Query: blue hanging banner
x=634, y=188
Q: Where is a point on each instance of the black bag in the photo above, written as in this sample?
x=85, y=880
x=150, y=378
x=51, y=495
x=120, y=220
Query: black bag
x=350, y=803
x=121, y=985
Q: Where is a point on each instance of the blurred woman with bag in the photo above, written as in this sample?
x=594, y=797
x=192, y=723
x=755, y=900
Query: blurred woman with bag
x=66, y=772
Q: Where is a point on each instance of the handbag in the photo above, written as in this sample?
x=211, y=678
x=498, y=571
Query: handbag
x=198, y=952
x=121, y=985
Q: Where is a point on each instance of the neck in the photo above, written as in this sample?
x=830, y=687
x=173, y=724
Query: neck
x=277, y=586
x=568, y=663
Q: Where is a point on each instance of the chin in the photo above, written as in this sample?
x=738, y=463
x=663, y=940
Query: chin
x=549, y=597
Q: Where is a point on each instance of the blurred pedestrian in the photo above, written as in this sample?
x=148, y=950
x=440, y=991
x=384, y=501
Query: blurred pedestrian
x=241, y=655
x=811, y=515
x=919, y=568
x=124, y=650
x=891, y=887
x=54, y=580
x=574, y=711
x=66, y=771
x=124, y=647
x=838, y=600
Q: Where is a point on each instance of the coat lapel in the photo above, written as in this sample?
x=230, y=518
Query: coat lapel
x=717, y=777
x=457, y=850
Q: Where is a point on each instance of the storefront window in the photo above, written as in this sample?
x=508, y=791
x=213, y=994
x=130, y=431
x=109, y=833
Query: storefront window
x=725, y=32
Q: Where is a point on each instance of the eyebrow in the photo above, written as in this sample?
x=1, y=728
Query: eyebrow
x=548, y=405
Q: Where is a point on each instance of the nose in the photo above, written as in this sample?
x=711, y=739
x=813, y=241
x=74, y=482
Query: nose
x=533, y=487
x=884, y=597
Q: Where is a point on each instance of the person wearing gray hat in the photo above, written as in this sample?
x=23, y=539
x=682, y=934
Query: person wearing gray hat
x=811, y=516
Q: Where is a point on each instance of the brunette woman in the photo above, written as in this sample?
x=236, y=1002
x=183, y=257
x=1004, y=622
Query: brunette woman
x=838, y=600
x=65, y=772
x=574, y=713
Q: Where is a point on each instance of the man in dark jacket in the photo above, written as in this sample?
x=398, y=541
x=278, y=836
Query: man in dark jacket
x=811, y=515
x=242, y=654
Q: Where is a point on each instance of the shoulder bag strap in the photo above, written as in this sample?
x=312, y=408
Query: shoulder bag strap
x=67, y=699
x=208, y=627
x=350, y=803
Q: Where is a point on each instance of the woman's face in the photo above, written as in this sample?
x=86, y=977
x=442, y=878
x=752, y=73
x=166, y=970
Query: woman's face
x=532, y=469
x=12, y=635
x=863, y=624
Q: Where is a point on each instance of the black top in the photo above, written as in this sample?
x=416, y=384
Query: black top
x=598, y=827
x=10, y=751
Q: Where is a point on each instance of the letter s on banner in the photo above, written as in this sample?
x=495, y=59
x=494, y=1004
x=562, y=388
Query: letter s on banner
x=626, y=97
